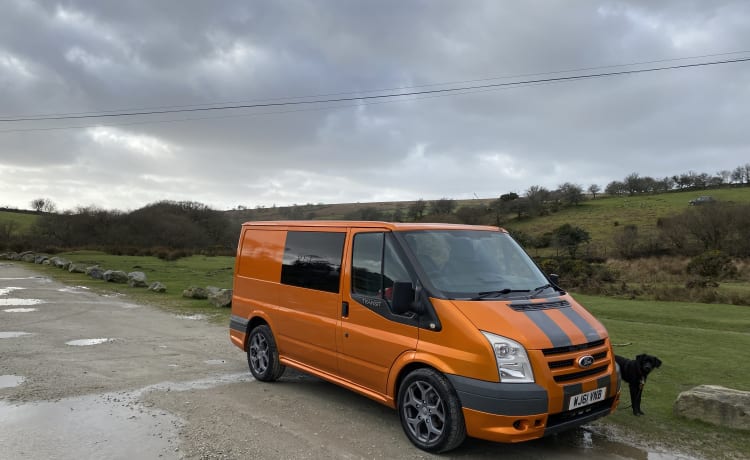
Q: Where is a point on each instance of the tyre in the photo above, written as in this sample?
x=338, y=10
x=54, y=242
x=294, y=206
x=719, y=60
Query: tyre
x=262, y=355
x=430, y=411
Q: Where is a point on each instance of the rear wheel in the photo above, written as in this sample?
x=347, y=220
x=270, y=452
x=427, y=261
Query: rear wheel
x=430, y=411
x=262, y=355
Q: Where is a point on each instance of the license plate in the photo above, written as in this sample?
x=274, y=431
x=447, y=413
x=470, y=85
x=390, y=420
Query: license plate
x=584, y=399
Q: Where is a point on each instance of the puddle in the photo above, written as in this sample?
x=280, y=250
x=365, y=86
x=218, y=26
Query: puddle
x=19, y=310
x=88, y=342
x=195, y=317
x=114, y=294
x=215, y=362
x=8, y=290
x=10, y=381
x=104, y=426
x=14, y=335
x=73, y=289
x=16, y=302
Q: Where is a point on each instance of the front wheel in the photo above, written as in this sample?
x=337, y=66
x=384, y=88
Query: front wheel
x=430, y=411
x=263, y=356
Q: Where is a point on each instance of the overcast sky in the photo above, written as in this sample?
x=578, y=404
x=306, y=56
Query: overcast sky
x=76, y=57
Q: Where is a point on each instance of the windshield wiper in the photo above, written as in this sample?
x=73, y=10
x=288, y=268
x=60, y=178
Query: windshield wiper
x=498, y=293
x=538, y=290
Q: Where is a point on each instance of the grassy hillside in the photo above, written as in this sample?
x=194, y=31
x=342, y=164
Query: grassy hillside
x=19, y=221
x=603, y=216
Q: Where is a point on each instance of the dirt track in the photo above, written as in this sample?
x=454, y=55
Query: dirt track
x=166, y=386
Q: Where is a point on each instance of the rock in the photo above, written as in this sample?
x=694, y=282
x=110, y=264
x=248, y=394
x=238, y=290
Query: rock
x=39, y=259
x=212, y=290
x=28, y=257
x=194, y=292
x=76, y=268
x=95, y=272
x=137, y=279
x=115, y=276
x=156, y=286
x=716, y=405
x=221, y=298
x=59, y=262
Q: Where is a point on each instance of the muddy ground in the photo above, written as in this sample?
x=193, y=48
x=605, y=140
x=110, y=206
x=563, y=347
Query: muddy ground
x=85, y=375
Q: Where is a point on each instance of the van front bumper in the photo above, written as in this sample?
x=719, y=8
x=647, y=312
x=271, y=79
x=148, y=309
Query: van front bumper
x=515, y=412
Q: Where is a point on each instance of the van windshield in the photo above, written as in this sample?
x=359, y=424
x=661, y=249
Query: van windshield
x=476, y=264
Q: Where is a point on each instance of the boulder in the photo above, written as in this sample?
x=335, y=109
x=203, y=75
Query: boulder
x=716, y=405
x=28, y=257
x=194, y=292
x=77, y=268
x=137, y=279
x=39, y=259
x=95, y=272
x=115, y=276
x=221, y=298
x=59, y=262
x=156, y=286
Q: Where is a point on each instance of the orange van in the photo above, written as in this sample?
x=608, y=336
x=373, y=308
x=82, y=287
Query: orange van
x=454, y=326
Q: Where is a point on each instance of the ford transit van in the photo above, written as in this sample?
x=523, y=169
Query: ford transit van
x=454, y=326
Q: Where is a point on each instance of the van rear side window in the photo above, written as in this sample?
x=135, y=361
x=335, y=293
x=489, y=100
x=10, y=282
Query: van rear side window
x=313, y=260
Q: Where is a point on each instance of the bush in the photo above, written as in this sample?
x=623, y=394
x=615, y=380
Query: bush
x=712, y=264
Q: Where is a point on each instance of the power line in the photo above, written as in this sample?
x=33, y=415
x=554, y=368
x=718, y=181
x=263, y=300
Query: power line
x=444, y=91
x=208, y=106
x=253, y=114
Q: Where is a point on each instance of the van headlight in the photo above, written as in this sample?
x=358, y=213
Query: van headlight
x=513, y=363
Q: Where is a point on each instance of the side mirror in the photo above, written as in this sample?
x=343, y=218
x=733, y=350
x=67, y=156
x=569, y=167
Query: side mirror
x=403, y=297
x=554, y=278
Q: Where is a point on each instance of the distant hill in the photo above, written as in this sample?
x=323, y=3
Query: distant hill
x=601, y=217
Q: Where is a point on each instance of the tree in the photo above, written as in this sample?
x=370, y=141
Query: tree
x=615, y=188
x=417, y=209
x=43, y=205
x=472, y=215
x=537, y=196
x=571, y=194
x=443, y=206
x=569, y=237
x=593, y=190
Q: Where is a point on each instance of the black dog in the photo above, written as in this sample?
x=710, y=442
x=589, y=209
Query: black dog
x=635, y=371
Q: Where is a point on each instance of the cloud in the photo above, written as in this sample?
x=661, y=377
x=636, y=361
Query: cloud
x=83, y=57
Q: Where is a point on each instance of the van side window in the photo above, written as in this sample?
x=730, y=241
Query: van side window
x=313, y=260
x=376, y=265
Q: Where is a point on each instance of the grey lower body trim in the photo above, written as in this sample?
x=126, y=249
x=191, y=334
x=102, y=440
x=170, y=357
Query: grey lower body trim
x=238, y=323
x=500, y=398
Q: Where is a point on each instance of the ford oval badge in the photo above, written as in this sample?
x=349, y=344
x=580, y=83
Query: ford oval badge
x=585, y=361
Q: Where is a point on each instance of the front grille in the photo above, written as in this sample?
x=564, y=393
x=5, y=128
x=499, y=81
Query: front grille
x=572, y=348
x=580, y=374
x=562, y=361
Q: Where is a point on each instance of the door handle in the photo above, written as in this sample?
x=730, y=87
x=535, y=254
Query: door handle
x=344, y=309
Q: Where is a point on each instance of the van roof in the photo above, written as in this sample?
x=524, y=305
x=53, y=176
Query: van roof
x=395, y=226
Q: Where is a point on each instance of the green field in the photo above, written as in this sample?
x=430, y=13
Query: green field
x=698, y=343
x=177, y=275
x=604, y=216
x=20, y=222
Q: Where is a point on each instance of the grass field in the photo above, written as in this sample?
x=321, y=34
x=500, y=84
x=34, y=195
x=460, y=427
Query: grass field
x=21, y=222
x=698, y=343
x=177, y=275
x=603, y=217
